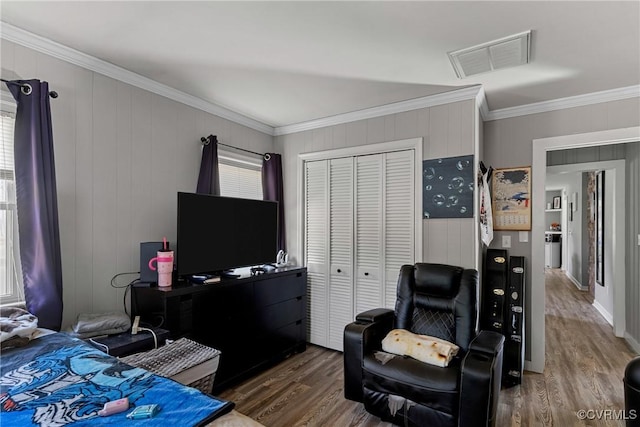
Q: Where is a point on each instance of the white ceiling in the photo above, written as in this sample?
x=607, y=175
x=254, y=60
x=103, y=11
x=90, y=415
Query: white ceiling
x=283, y=63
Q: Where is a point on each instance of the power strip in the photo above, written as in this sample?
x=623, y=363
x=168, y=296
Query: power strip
x=136, y=325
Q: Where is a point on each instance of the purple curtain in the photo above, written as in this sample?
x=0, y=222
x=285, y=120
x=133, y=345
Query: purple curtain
x=209, y=178
x=272, y=189
x=37, y=202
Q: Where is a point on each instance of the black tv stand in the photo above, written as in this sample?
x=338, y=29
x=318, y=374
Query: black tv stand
x=255, y=321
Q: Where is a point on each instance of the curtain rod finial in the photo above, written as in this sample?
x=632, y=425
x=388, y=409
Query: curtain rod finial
x=205, y=141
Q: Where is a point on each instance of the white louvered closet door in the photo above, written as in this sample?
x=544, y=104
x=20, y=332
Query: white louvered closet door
x=340, y=249
x=316, y=250
x=369, y=247
x=359, y=229
x=399, y=219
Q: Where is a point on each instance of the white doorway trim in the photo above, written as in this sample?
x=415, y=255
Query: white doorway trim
x=538, y=170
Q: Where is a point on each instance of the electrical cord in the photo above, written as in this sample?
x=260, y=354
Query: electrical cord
x=155, y=338
x=115, y=285
x=126, y=287
x=100, y=344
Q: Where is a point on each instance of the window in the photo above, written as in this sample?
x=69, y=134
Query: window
x=239, y=176
x=10, y=274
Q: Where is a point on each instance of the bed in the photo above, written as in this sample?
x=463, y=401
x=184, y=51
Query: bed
x=60, y=380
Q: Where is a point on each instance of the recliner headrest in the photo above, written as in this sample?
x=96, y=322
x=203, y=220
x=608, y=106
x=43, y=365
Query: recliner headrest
x=437, y=279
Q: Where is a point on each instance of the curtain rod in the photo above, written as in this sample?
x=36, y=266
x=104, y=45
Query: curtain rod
x=27, y=89
x=207, y=141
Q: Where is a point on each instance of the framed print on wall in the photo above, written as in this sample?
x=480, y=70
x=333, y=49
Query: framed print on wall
x=447, y=187
x=599, y=211
x=512, y=199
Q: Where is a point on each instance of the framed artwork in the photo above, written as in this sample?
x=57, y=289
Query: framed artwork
x=447, y=187
x=512, y=199
x=599, y=213
x=556, y=202
x=571, y=211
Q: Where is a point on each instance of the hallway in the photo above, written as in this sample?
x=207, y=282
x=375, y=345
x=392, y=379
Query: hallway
x=584, y=365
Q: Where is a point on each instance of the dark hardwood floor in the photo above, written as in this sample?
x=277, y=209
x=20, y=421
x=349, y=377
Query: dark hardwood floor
x=584, y=369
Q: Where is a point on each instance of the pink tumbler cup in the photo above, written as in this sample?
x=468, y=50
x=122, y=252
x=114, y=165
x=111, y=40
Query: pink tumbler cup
x=164, y=260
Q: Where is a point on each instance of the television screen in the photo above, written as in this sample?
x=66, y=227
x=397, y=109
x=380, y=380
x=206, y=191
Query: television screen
x=218, y=233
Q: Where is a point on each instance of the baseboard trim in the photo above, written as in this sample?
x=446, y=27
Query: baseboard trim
x=575, y=282
x=635, y=346
x=533, y=367
x=607, y=316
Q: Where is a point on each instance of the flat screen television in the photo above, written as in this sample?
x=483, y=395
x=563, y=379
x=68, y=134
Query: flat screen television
x=218, y=233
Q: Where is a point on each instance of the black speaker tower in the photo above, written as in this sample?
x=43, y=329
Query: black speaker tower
x=503, y=303
x=514, y=326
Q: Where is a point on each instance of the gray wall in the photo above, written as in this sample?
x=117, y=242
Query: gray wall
x=447, y=131
x=508, y=143
x=121, y=155
x=586, y=155
x=632, y=248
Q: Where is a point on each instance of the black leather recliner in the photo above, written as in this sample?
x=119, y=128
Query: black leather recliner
x=441, y=301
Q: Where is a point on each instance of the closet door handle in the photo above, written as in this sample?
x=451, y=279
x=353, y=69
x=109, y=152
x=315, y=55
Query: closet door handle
x=339, y=271
x=366, y=273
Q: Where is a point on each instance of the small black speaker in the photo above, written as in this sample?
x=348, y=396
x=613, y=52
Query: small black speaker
x=149, y=250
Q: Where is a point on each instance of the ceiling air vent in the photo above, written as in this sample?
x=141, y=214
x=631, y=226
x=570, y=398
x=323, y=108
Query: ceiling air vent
x=494, y=55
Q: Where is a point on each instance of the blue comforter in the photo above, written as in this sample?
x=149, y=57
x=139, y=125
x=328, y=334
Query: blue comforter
x=58, y=380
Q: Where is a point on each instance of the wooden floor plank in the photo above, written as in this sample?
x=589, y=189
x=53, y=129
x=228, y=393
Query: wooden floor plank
x=584, y=368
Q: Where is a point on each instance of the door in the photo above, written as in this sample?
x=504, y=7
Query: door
x=316, y=250
x=359, y=229
x=369, y=237
x=399, y=219
x=340, y=249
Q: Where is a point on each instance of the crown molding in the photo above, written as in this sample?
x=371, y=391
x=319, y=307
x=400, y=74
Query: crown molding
x=568, y=102
x=481, y=102
x=383, y=110
x=65, y=53
x=73, y=56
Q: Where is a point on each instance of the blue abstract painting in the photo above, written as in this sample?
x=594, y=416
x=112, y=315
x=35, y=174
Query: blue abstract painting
x=447, y=187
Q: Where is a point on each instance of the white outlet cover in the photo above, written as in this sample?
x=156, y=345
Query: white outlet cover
x=506, y=241
x=523, y=236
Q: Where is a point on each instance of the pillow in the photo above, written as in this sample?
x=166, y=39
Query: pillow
x=424, y=348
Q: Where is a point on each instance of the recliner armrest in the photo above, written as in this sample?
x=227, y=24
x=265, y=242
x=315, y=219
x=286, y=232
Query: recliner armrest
x=361, y=337
x=480, y=380
x=375, y=315
x=487, y=342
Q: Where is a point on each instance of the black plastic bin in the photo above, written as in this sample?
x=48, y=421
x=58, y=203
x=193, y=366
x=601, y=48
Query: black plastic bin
x=632, y=392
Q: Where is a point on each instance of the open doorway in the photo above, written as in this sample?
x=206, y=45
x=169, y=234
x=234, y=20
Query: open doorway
x=539, y=164
x=592, y=220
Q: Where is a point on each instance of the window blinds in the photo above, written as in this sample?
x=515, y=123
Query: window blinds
x=240, y=179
